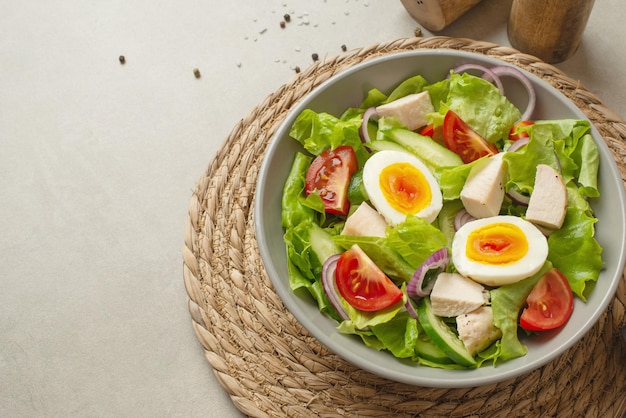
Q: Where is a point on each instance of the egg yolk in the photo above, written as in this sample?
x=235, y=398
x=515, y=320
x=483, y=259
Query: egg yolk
x=405, y=188
x=496, y=243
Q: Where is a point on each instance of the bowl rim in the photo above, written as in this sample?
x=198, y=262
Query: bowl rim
x=449, y=378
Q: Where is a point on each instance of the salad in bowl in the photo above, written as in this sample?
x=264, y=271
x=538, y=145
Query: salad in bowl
x=444, y=223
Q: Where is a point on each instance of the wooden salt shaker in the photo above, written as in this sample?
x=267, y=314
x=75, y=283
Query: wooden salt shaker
x=551, y=30
x=437, y=14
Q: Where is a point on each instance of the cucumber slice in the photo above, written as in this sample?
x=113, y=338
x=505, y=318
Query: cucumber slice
x=382, y=145
x=322, y=243
x=433, y=154
x=429, y=351
x=442, y=336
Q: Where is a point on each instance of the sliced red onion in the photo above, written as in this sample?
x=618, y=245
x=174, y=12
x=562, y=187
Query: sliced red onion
x=410, y=308
x=487, y=74
x=517, y=197
x=423, y=280
x=518, y=144
x=330, y=288
x=363, y=131
x=501, y=70
x=461, y=218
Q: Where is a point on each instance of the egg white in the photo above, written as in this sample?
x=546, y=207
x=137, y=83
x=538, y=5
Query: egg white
x=371, y=181
x=495, y=274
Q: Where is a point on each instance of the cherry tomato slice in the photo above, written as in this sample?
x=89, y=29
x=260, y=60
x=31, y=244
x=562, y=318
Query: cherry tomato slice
x=329, y=175
x=428, y=130
x=550, y=303
x=460, y=138
x=515, y=132
x=436, y=133
x=362, y=284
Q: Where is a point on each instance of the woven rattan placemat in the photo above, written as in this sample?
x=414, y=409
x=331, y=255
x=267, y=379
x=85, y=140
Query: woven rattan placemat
x=272, y=367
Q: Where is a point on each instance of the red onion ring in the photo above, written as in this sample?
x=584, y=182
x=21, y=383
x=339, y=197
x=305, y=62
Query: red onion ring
x=517, y=197
x=518, y=144
x=330, y=288
x=461, y=218
x=363, y=131
x=418, y=286
x=486, y=72
x=408, y=305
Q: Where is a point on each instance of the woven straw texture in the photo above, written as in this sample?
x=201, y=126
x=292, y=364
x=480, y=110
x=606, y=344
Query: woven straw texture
x=272, y=367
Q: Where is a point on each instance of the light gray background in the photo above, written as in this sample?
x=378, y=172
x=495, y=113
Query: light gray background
x=98, y=161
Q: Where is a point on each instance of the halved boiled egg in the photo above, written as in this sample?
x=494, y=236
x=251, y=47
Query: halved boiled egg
x=399, y=184
x=499, y=250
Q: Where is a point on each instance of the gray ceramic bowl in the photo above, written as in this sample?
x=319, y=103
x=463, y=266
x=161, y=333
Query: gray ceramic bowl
x=348, y=89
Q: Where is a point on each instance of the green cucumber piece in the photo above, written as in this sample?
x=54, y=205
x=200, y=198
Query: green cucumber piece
x=429, y=351
x=442, y=336
x=322, y=243
x=433, y=154
x=383, y=145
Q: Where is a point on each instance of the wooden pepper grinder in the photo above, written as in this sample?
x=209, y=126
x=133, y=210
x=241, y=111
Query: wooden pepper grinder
x=435, y=15
x=551, y=30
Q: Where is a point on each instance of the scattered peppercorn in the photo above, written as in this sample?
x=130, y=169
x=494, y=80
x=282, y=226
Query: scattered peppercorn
x=287, y=17
x=418, y=32
x=122, y=59
x=315, y=57
x=196, y=72
x=344, y=48
x=282, y=24
x=297, y=69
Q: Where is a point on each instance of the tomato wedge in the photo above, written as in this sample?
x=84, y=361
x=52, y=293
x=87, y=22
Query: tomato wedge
x=515, y=132
x=460, y=138
x=428, y=130
x=436, y=133
x=550, y=303
x=362, y=284
x=329, y=175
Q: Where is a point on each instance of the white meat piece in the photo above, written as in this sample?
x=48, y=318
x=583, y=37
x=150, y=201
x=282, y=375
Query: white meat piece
x=483, y=192
x=410, y=110
x=454, y=294
x=548, y=201
x=476, y=329
x=365, y=222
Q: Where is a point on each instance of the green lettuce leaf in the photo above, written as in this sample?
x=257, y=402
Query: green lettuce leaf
x=412, y=85
x=575, y=252
x=320, y=131
x=587, y=157
x=362, y=319
x=506, y=302
x=398, y=335
x=480, y=104
x=438, y=92
x=452, y=180
x=373, y=98
x=293, y=210
x=415, y=240
x=564, y=145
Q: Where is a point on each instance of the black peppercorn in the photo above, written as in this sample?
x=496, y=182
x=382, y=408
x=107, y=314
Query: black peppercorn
x=315, y=57
x=287, y=17
x=122, y=59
